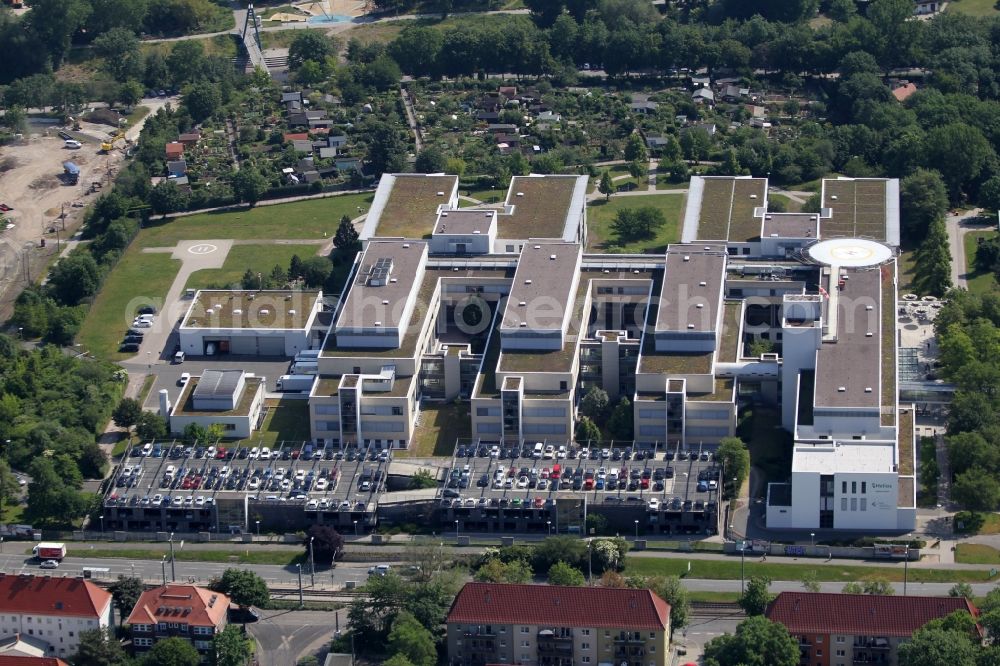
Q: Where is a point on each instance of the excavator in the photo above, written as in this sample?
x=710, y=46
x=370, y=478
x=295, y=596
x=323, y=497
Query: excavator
x=109, y=145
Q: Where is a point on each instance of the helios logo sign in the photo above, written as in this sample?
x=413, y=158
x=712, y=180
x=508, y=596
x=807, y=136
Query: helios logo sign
x=883, y=487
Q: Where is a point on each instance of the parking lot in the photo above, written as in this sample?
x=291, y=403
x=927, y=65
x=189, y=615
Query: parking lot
x=175, y=476
x=669, y=480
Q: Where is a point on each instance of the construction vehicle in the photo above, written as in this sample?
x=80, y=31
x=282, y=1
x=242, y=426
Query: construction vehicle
x=109, y=145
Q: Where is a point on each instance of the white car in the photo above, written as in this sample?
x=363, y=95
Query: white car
x=312, y=504
x=522, y=482
x=199, y=501
x=654, y=504
x=713, y=484
x=254, y=453
x=72, y=144
x=322, y=485
x=379, y=570
x=561, y=453
x=210, y=453
x=253, y=483
x=550, y=451
x=49, y=564
x=265, y=453
x=185, y=378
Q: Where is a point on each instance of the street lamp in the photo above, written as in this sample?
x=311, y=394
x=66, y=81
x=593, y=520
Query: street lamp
x=20, y=332
x=301, y=602
x=312, y=563
x=102, y=525
x=590, y=562
x=258, y=528
x=163, y=569
x=812, y=539
x=456, y=532
x=549, y=523
x=355, y=528
x=636, y=530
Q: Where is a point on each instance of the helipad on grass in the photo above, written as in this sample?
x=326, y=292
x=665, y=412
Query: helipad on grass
x=849, y=252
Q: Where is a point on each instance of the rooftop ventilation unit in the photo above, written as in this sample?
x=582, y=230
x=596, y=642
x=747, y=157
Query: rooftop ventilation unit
x=477, y=231
x=440, y=194
x=406, y=245
x=700, y=306
x=869, y=308
x=538, y=247
x=522, y=303
x=291, y=313
x=378, y=323
x=833, y=197
x=753, y=196
x=868, y=389
x=702, y=284
x=444, y=213
x=552, y=257
x=868, y=334
x=527, y=282
x=379, y=274
x=841, y=389
x=690, y=326
x=524, y=324
x=519, y=194
x=385, y=302
x=687, y=257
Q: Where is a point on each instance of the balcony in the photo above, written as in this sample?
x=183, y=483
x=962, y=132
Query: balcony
x=864, y=658
x=879, y=643
x=630, y=639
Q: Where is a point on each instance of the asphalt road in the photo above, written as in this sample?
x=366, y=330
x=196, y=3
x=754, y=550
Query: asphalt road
x=286, y=636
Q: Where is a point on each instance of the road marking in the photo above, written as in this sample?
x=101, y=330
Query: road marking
x=203, y=248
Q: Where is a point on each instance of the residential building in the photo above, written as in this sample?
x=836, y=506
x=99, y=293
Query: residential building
x=195, y=614
x=51, y=612
x=21, y=660
x=849, y=629
x=548, y=625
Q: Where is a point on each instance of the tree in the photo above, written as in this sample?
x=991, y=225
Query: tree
x=422, y=478
x=923, y=200
x=15, y=119
x=127, y=413
x=735, y=459
x=635, y=148
x=126, y=592
x=327, y=543
x=231, y=647
x=151, y=426
x=74, y=278
x=976, y=489
x=119, y=47
x=51, y=499
x=595, y=404
x=563, y=548
x=810, y=581
x=606, y=186
x=608, y=554
x=54, y=22
x=172, y=652
x=959, y=152
x=877, y=586
x=166, y=197
x=494, y=570
x=430, y=160
x=98, y=647
x=670, y=589
x=696, y=144
x=561, y=573
x=347, y=240
x=989, y=193
x=756, y=597
x=620, y=423
x=202, y=100
x=130, y=93
x=310, y=73
x=961, y=590
x=244, y=587
x=933, y=266
x=587, y=431
x=933, y=647
x=398, y=659
x=315, y=271
x=386, y=148
x=310, y=45
x=757, y=642
x=186, y=62
x=853, y=587
x=370, y=619
x=409, y=638
x=249, y=185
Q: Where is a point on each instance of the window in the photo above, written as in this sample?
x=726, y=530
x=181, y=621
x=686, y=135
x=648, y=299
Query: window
x=71, y=634
x=843, y=487
x=584, y=646
x=585, y=660
x=819, y=653
x=854, y=504
x=142, y=642
x=864, y=503
x=652, y=649
x=841, y=653
x=652, y=635
x=840, y=639
x=509, y=248
x=503, y=630
x=864, y=485
x=854, y=487
x=819, y=639
x=503, y=643
x=843, y=504
x=585, y=632
x=524, y=630
x=525, y=644
x=397, y=411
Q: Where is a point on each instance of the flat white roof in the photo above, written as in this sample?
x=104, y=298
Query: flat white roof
x=844, y=456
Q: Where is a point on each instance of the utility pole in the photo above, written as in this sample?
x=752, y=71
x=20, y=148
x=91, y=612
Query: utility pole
x=301, y=602
x=163, y=569
x=906, y=569
x=312, y=564
x=173, y=569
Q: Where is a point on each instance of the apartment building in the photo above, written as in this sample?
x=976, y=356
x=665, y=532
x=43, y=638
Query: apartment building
x=50, y=612
x=548, y=625
x=24, y=660
x=850, y=629
x=195, y=614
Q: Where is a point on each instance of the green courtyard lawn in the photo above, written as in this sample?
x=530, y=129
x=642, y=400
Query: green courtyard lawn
x=973, y=7
x=976, y=553
x=258, y=258
x=440, y=427
x=601, y=213
x=136, y=275
x=980, y=282
x=311, y=218
x=286, y=421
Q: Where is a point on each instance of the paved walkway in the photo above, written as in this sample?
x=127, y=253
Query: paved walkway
x=957, y=226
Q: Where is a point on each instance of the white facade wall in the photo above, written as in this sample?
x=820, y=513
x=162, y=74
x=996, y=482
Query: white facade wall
x=61, y=632
x=248, y=340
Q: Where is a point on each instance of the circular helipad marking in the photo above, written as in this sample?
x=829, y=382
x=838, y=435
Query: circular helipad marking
x=850, y=252
x=203, y=248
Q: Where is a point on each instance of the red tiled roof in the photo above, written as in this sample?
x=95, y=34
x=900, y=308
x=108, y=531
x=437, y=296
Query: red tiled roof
x=175, y=148
x=185, y=603
x=12, y=660
x=296, y=136
x=500, y=603
x=40, y=595
x=868, y=614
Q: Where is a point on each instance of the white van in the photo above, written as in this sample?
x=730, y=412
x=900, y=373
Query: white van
x=179, y=357
x=539, y=451
x=210, y=349
x=73, y=144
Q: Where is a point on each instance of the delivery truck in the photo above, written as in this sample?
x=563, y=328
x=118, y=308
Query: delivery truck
x=49, y=551
x=296, y=382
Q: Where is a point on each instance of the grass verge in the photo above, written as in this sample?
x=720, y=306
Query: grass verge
x=976, y=553
x=730, y=570
x=286, y=421
x=973, y=7
x=246, y=556
x=980, y=282
x=601, y=214
x=258, y=258
x=440, y=426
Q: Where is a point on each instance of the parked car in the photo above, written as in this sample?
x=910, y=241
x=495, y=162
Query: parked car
x=129, y=347
x=185, y=377
x=72, y=144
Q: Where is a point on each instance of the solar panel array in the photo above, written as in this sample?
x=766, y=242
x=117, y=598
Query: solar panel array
x=380, y=272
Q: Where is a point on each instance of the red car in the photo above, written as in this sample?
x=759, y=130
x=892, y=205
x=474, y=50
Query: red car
x=556, y=471
x=644, y=483
x=221, y=453
x=296, y=453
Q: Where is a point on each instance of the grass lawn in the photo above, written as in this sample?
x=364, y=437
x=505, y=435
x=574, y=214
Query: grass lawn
x=990, y=524
x=440, y=426
x=138, y=113
x=312, y=218
x=380, y=33
x=286, y=420
x=601, y=213
x=907, y=268
x=976, y=553
x=973, y=7
x=714, y=597
x=791, y=206
x=979, y=282
x=258, y=258
x=770, y=445
x=486, y=196
x=136, y=275
x=730, y=570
